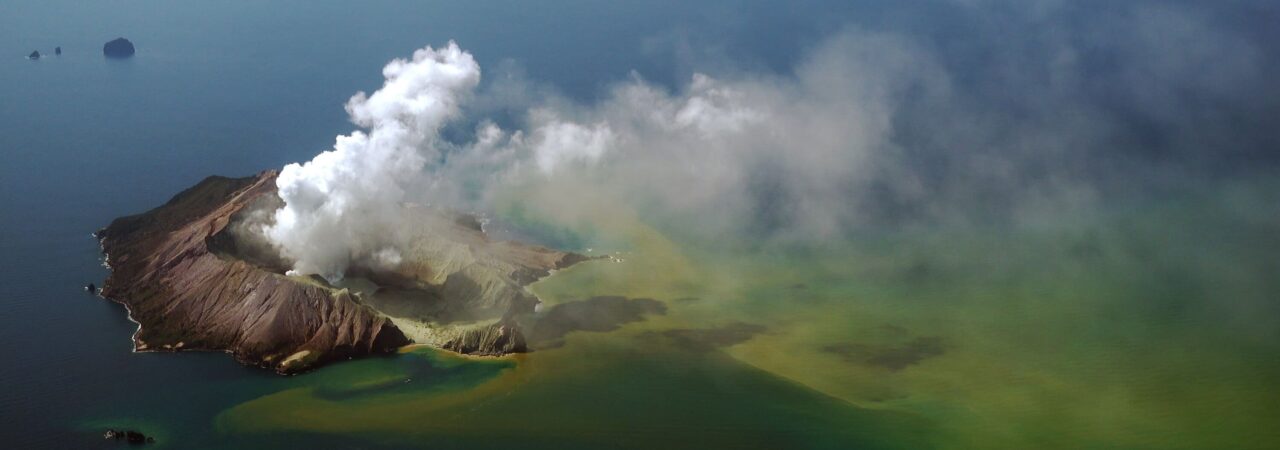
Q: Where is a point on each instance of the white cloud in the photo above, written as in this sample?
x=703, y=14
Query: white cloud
x=867, y=126
x=345, y=203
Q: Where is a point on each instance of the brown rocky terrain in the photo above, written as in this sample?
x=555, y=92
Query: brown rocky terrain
x=192, y=281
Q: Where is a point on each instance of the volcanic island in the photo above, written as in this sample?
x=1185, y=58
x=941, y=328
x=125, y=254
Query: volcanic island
x=192, y=278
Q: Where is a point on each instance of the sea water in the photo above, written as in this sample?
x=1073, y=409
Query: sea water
x=1109, y=334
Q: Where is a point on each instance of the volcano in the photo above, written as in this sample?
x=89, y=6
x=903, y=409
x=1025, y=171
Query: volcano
x=194, y=276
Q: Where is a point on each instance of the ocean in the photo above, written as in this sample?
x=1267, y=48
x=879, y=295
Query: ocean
x=1150, y=325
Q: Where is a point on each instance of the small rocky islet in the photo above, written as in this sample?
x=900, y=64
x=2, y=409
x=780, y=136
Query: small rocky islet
x=129, y=436
x=118, y=48
x=115, y=48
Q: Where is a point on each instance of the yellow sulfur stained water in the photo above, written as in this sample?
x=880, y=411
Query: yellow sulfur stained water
x=1060, y=339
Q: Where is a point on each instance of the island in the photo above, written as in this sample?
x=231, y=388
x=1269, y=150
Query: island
x=118, y=48
x=193, y=276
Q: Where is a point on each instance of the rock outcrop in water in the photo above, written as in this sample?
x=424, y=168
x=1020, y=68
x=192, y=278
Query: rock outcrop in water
x=118, y=48
x=193, y=281
x=130, y=436
x=34, y=55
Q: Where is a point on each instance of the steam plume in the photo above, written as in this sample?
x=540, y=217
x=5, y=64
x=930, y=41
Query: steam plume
x=867, y=129
x=344, y=203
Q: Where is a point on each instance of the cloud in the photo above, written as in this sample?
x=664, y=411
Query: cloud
x=782, y=156
x=869, y=129
x=344, y=204
x=559, y=143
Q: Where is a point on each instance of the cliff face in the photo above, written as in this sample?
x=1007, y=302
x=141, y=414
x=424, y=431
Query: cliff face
x=185, y=297
x=497, y=339
x=193, y=280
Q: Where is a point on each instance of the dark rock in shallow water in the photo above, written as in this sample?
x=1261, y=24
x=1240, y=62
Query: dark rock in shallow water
x=706, y=339
x=118, y=48
x=90, y=288
x=57, y=51
x=130, y=436
x=596, y=314
x=34, y=55
x=891, y=357
x=135, y=437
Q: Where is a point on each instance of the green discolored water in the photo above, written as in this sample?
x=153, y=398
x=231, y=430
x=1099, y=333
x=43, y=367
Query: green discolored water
x=1096, y=336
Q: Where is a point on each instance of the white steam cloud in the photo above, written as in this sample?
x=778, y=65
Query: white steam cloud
x=867, y=128
x=345, y=203
x=691, y=152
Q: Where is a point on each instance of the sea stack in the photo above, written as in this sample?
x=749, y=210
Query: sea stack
x=34, y=55
x=118, y=48
x=57, y=51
